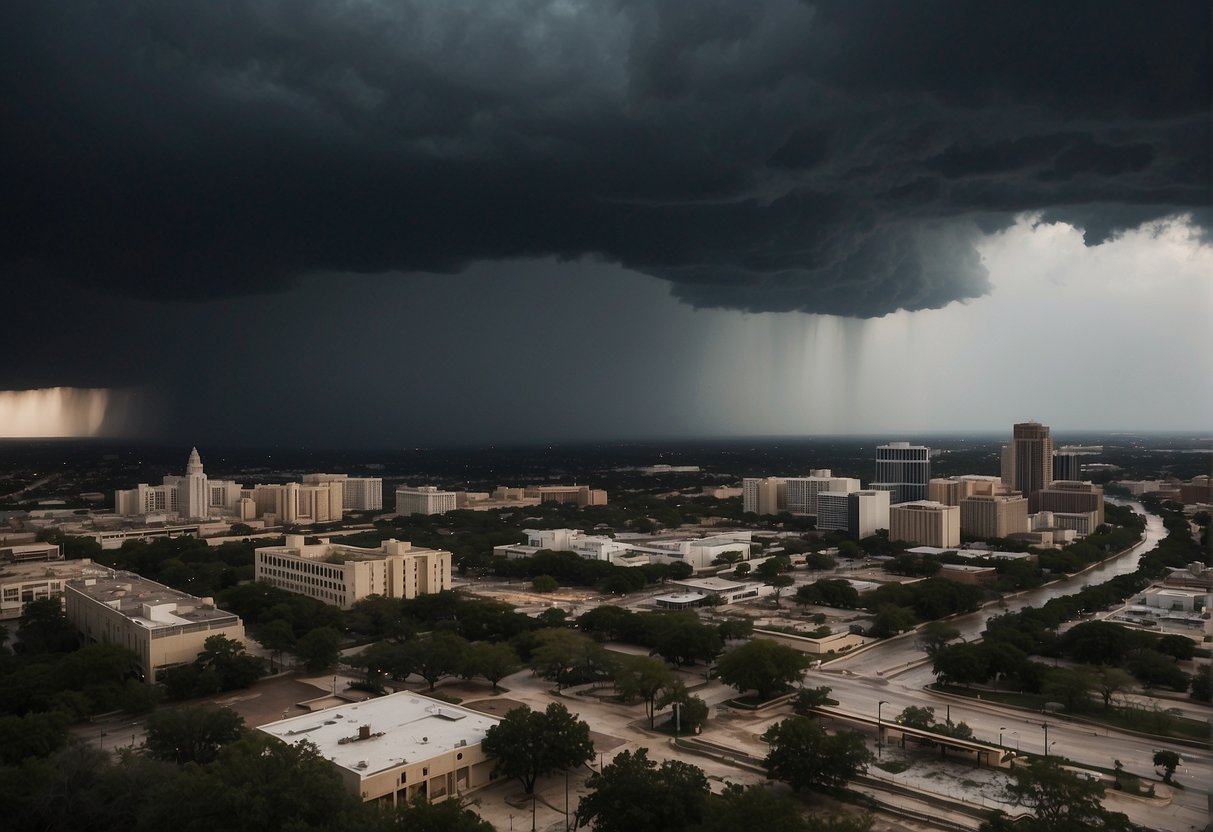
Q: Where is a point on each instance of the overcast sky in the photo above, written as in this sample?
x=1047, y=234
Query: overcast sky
x=414, y=223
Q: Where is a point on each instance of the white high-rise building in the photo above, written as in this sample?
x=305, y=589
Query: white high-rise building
x=903, y=470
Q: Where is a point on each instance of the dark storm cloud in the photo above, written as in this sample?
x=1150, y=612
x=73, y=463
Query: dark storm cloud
x=835, y=157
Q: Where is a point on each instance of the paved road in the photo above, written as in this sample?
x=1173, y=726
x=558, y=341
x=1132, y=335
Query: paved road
x=893, y=671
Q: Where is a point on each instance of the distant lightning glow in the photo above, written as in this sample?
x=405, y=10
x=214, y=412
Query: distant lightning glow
x=53, y=412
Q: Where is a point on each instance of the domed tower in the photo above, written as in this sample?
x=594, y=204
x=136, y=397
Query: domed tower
x=193, y=500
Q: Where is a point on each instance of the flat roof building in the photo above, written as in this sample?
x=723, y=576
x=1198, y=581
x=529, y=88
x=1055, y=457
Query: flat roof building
x=343, y=575
x=21, y=583
x=163, y=626
x=993, y=515
x=424, y=499
x=925, y=523
x=397, y=747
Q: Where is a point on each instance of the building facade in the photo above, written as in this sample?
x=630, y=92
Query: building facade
x=193, y=496
x=1031, y=460
x=357, y=493
x=925, y=523
x=993, y=515
x=764, y=495
x=1070, y=497
x=399, y=747
x=424, y=499
x=904, y=470
x=343, y=575
x=801, y=492
x=162, y=626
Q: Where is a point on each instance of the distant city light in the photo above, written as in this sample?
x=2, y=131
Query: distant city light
x=54, y=412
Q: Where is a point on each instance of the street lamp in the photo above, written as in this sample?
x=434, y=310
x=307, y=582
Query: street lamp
x=1045, y=725
x=879, y=727
x=1000, y=730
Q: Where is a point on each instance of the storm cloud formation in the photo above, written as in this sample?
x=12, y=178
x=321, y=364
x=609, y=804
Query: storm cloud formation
x=830, y=157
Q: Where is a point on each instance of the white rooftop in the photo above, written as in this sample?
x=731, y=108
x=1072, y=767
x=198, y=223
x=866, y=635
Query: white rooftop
x=709, y=584
x=404, y=728
x=680, y=598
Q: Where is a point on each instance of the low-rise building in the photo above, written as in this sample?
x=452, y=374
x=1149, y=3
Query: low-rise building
x=963, y=573
x=398, y=747
x=424, y=499
x=343, y=575
x=163, y=626
x=21, y=583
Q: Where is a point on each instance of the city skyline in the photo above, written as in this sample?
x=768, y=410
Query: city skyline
x=392, y=225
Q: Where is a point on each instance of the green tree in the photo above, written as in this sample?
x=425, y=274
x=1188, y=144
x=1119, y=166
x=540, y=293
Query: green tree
x=420, y=815
x=192, y=734
x=692, y=711
x=1109, y=681
x=764, y=666
x=806, y=757
x=227, y=658
x=1169, y=761
x=761, y=807
x=935, y=635
x=643, y=677
x=276, y=636
x=567, y=657
x=319, y=649
x=634, y=793
x=527, y=745
x=780, y=583
x=1202, y=690
x=891, y=619
x=442, y=654
x=32, y=735
x=1072, y=686
x=811, y=698
x=492, y=661
x=913, y=716
x=1060, y=799
x=1180, y=648
x=44, y=628
x=545, y=583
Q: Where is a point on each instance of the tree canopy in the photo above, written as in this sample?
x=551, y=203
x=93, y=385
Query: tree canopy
x=527, y=745
x=806, y=757
x=764, y=666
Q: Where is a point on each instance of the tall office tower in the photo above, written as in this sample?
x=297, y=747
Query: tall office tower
x=1033, y=459
x=1008, y=466
x=1067, y=465
x=903, y=470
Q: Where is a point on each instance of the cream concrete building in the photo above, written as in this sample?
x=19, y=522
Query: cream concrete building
x=163, y=626
x=993, y=515
x=1071, y=497
x=398, y=747
x=343, y=575
x=28, y=581
x=424, y=499
x=191, y=497
x=764, y=495
x=294, y=503
x=951, y=490
x=925, y=523
x=801, y=492
x=578, y=495
x=358, y=493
